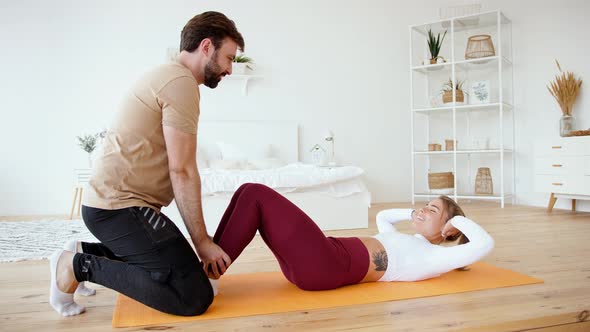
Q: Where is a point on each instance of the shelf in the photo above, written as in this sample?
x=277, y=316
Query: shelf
x=490, y=62
x=462, y=152
x=479, y=21
x=461, y=23
x=431, y=68
x=433, y=109
x=243, y=77
x=475, y=107
x=482, y=107
x=465, y=196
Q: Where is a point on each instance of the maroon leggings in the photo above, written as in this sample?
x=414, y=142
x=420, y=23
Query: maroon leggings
x=307, y=257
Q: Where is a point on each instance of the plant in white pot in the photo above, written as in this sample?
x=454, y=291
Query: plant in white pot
x=242, y=64
x=88, y=143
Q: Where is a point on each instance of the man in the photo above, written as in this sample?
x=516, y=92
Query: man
x=148, y=159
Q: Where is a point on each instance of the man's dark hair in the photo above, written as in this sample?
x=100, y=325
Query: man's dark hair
x=212, y=25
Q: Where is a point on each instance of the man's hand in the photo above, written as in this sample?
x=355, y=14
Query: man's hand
x=215, y=260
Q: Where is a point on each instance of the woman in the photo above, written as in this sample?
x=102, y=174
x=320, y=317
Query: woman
x=313, y=261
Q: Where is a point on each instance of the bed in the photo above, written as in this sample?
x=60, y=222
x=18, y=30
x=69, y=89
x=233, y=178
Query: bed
x=232, y=153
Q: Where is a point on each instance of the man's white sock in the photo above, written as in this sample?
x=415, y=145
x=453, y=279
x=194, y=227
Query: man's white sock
x=214, y=285
x=60, y=301
x=72, y=245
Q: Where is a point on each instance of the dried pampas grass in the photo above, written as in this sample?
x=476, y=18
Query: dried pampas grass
x=565, y=89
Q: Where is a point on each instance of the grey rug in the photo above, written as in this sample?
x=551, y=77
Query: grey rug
x=28, y=240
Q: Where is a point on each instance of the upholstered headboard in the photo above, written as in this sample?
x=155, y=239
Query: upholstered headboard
x=282, y=137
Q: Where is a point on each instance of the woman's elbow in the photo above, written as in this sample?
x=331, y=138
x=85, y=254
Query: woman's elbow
x=488, y=246
x=380, y=216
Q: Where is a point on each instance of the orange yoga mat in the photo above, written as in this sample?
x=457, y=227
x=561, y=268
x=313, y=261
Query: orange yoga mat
x=269, y=292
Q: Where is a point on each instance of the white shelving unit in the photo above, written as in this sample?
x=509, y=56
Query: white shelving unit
x=467, y=124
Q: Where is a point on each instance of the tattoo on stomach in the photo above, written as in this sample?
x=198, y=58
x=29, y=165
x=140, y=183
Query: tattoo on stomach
x=380, y=260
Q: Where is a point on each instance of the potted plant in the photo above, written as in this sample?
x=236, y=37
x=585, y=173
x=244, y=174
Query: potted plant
x=434, y=45
x=88, y=143
x=241, y=64
x=447, y=91
x=565, y=89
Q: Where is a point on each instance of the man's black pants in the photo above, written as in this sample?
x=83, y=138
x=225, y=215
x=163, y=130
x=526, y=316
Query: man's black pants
x=143, y=255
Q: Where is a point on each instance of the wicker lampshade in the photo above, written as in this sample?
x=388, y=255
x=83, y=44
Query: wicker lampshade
x=479, y=46
x=483, y=182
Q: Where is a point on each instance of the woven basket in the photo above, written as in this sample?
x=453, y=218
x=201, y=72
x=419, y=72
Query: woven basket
x=450, y=145
x=448, y=96
x=444, y=180
x=434, y=147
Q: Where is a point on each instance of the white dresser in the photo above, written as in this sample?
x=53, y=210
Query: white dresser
x=562, y=168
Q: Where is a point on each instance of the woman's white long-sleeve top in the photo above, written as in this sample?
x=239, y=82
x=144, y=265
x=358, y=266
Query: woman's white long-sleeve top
x=413, y=257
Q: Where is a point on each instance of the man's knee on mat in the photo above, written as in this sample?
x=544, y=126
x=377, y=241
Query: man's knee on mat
x=196, y=295
x=196, y=304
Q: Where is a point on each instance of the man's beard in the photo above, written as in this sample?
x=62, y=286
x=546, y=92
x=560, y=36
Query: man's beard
x=212, y=72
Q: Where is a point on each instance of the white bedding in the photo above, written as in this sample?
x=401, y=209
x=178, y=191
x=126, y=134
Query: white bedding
x=296, y=177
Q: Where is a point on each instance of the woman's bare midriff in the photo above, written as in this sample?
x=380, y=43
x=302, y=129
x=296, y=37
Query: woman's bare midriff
x=374, y=247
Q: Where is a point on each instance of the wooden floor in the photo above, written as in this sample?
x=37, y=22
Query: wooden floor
x=554, y=247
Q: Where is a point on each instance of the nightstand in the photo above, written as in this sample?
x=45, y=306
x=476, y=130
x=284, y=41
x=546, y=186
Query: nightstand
x=81, y=178
x=562, y=168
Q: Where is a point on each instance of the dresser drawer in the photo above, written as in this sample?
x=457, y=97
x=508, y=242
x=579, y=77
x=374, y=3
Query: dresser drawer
x=560, y=184
x=559, y=165
x=587, y=165
x=562, y=147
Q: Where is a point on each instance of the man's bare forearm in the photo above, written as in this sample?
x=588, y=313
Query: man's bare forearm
x=187, y=193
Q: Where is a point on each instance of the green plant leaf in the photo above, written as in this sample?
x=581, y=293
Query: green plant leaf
x=435, y=43
x=243, y=59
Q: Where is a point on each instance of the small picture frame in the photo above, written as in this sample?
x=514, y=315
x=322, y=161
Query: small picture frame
x=480, y=92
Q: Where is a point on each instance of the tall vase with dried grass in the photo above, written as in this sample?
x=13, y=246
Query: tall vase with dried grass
x=565, y=89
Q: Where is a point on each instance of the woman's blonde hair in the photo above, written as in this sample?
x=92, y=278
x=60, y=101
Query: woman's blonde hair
x=453, y=209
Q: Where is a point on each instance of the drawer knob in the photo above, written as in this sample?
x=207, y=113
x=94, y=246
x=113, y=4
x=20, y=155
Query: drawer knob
x=556, y=165
x=556, y=147
x=557, y=184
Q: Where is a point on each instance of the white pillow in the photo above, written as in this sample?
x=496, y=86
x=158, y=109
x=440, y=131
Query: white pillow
x=266, y=163
x=243, y=153
x=224, y=164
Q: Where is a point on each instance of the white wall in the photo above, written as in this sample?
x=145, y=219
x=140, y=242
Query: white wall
x=342, y=65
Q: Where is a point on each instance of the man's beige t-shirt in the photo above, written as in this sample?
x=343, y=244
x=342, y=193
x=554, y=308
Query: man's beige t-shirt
x=133, y=167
